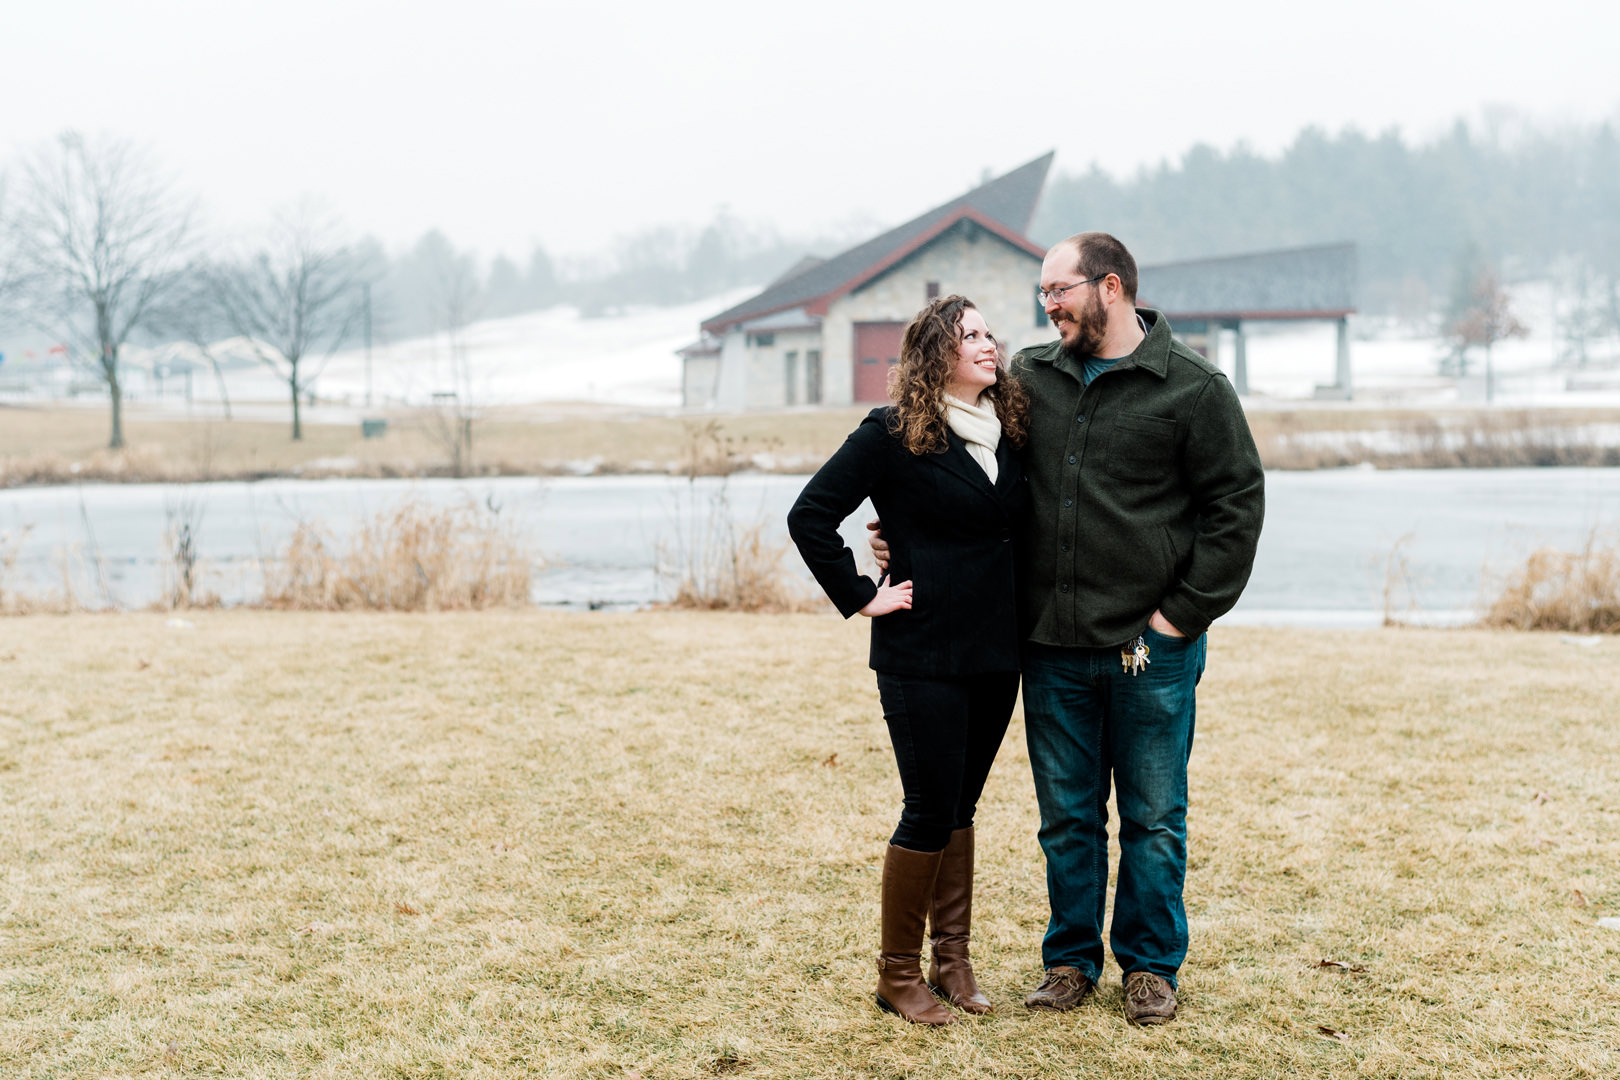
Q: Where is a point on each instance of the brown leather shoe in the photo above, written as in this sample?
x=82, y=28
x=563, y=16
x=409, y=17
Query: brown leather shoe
x=1061, y=990
x=908, y=889
x=1149, y=999
x=950, y=974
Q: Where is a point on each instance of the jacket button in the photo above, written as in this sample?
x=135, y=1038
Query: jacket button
x=1065, y=588
x=1079, y=419
x=1071, y=459
x=1068, y=502
x=1065, y=547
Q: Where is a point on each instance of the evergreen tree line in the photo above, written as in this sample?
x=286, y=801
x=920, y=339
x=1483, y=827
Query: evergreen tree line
x=657, y=266
x=1532, y=202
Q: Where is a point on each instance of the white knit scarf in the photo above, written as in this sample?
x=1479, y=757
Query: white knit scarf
x=979, y=428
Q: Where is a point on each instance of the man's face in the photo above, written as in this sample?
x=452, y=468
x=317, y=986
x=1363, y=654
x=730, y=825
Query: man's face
x=1080, y=318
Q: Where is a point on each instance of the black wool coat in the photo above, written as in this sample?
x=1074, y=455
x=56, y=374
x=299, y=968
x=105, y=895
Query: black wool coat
x=951, y=532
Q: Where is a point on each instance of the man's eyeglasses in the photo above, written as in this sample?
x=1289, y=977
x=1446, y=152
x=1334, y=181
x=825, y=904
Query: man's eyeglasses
x=1057, y=294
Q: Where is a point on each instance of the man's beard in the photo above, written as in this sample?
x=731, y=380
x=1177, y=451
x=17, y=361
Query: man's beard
x=1091, y=330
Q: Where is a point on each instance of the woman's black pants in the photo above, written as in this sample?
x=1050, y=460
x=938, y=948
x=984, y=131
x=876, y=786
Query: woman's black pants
x=945, y=733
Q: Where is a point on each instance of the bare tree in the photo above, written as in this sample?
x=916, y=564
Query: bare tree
x=10, y=269
x=194, y=317
x=1585, y=317
x=455, y=297
x=296, y=298
x=1487, y=319
x=101, y=236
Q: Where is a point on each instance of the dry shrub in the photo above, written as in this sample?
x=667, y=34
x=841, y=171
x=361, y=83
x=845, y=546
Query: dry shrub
x=739, y=570
x=21, y=601
x=414, y=558
x=1486, y=439
x=1560, y=590
x=13, y=602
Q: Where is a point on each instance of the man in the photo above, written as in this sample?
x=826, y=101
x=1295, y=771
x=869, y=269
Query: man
x=1147, y=496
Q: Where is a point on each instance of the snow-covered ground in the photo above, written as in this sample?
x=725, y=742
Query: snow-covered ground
x=628, y=359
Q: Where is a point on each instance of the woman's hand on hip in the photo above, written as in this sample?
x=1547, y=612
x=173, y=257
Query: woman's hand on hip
x=889, y=598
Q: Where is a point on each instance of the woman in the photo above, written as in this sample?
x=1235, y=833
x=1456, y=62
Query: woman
x=939, y=467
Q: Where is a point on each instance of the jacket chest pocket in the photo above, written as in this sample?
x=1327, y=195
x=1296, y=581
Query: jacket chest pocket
x=1141, y=447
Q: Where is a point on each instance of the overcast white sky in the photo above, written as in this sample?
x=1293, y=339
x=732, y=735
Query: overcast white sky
x=507, y=123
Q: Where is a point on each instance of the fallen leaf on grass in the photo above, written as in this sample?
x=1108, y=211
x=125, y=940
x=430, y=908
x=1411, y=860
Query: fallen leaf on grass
x=1580, y=898
x=316, y=927
x=830, y=761
x=142, y=665
x=405, y=909
x=1330, y=1033
x=1543, y=841
x=1340, y=965
x=1538, y=798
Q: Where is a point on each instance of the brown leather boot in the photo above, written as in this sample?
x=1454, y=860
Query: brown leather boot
x=908, y=885
x=950, y=974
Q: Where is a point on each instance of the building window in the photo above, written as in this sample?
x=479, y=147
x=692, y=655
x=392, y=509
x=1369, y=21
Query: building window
x=812, y=376
x=762, y=339
x=933, y=290
x=790, y=378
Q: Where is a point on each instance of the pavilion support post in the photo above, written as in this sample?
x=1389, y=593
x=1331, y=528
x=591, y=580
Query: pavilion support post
x=1341, y=371
x=1240, y=360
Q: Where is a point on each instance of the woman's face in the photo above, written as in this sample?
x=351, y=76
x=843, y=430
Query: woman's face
x=976, y=358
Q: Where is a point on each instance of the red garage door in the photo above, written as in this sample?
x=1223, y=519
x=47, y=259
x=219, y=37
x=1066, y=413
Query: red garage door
x=877, y=350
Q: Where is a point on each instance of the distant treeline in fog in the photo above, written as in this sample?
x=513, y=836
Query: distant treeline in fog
x=1530, y=201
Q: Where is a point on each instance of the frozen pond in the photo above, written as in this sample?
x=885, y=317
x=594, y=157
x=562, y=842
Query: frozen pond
x=1324, y=556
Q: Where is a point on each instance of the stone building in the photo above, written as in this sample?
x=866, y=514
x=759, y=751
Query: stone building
x=828, y=330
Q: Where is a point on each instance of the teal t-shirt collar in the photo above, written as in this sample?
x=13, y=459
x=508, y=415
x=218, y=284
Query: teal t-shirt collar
x=1094, y=366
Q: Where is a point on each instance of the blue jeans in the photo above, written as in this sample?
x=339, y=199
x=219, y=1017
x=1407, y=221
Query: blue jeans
x=1087, y=722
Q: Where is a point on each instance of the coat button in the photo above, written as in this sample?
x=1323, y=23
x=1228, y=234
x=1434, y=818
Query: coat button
x=1065, y=547
x=1065, y=588
x=1068, y=502
x=1071, y=459
x=1079, y=419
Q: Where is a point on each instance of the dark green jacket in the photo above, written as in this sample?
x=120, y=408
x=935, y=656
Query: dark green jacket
x=1146, y=492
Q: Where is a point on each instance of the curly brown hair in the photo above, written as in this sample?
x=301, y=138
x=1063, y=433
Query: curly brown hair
x=928, y=355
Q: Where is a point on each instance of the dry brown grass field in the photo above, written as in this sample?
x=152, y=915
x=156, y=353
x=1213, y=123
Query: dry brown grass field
x=520, y=844
x=42, y=445
x=58, y=445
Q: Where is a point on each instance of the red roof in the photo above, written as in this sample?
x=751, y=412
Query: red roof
x=1002, y=207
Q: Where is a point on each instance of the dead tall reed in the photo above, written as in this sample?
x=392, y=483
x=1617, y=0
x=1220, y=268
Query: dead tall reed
x=738, y=569
x=182, y=567
x=716, y=563
x=413, y=558
x=1561, y=590
x=13, y=602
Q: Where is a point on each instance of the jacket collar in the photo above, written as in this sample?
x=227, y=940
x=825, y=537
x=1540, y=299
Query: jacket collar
x=1152, y=354
x=956, y=459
